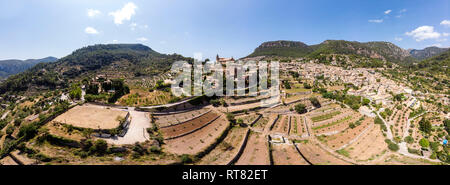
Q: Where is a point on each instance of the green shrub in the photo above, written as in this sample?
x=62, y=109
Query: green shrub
x=185, y=158
x=394, y=147
x=424, y=143
x=409, y=139
x=300, y=108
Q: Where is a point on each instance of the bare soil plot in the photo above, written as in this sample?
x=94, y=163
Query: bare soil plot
x=284, y=154
x=338, y=140
x=8, y=161
x=189, y=126
x=369, y=146
x=227, y=149
x=317, y=155
x=167, y=120
x=199, y=140
x=92, y=116
x=282, y=125
x=256, y=151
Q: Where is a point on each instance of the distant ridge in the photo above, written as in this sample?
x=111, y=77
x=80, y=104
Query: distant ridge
x=379, y=50
x=14, y=66
x=427, y=52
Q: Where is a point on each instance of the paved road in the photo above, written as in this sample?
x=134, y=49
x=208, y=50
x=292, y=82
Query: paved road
x=137, y=131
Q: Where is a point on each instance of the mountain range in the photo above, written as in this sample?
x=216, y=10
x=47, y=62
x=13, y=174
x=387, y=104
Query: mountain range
x=14, y=66
x=116, y=60
x=385, y=51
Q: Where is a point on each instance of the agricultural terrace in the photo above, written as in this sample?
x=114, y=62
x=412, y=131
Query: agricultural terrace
x=317, y=155
x=92, y=116
x=369, y=146
x=247, y=118
x=341, y=139
x=198, y=140
x=298, y=126
x=164, y=120
x=139, y=97
x=286, y=154
x=227, y=149
x=188, y=126
x=256, y=151
x=282, y=125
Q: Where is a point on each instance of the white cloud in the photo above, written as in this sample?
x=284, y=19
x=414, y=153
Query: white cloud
x=90, y=30
x=423, y=33
x=142, y=39
x=376, y=20
x=93, y=13
x=115, y=41
x=398, y=39
x=445, y=23
x=402, y=10
x=445, y=34
x=387, y=12
x=125, y=13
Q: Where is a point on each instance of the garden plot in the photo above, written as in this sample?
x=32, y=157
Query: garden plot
x=256, y=151
x=282, y=125
x=399, y=122
x=199, y=140
x=263, y=122
x=139, y=97
x=247, y=118
x=227, y=149
x=317, y=155
x=170, y=119
x=337, y=124
x=286, y=154
x=189, y=126
x=321, y=119
x=92, y=116
x=298, y=126
x=369, y=146
x=337, y=141
x=416, y=134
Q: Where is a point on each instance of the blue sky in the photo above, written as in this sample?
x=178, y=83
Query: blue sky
x=40, y=28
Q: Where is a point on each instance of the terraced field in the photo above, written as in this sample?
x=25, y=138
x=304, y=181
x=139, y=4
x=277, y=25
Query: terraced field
x=317, y=155
x=286, y=154
x=189, y=126
x=256, y=152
